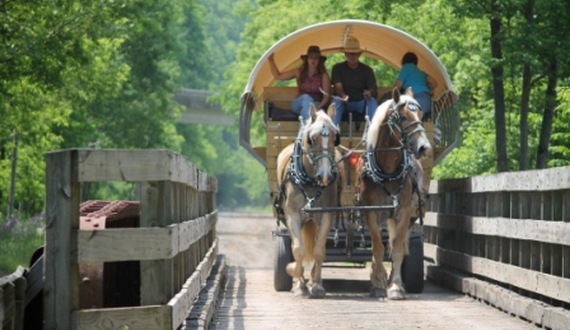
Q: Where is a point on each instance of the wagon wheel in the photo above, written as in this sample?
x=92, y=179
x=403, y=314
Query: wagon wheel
x=283, y=256
x=413, y=266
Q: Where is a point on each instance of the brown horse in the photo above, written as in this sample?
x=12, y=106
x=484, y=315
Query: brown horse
x=309, y=175
x=388, y=175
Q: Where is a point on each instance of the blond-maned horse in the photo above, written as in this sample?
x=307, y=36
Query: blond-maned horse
x=309, y=174
x=389, y=175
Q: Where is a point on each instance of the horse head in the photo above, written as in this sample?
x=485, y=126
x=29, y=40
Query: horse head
x=320, y=137
x=410, y=119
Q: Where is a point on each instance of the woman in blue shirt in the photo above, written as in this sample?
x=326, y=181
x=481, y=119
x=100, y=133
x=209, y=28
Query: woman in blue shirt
x=411, y=76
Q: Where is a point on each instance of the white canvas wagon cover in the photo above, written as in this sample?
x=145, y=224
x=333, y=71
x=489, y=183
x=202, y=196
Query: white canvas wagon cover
x=379, y=41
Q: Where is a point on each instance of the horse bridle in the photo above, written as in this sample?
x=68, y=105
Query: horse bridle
x=296, y=168
x=371, y=168
x=297, y=173
x=325, y=154
x=413, y=106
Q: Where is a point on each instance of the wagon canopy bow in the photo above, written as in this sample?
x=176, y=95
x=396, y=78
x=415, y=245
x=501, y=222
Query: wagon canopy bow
x=378, y=41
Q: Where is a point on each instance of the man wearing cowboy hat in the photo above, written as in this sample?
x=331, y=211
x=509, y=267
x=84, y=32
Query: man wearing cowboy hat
x=354, y=83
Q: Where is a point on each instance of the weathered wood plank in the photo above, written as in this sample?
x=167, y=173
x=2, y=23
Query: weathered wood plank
x=19, y=272
x=152, y=215
x=3, y=313
x=135, y=166
x=553, y=232
x=182, y=302
x=123, y=244
x=9, y=303
x=12, y=299
x=508, y=301
x=191, y=231
x=557, y=178
x=61, y=289
x=534, y=281
x=249, y=300
x=20, y=302
x=137, y=317
x=203, y=182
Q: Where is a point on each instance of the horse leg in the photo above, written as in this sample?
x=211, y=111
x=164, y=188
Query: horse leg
x=378, y=276
x=316, y=289
x=399, y=242
x=295, y=268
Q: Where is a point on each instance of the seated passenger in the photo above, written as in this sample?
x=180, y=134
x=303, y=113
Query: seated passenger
x=313, y=81
x=411, y=76
x=354, y=84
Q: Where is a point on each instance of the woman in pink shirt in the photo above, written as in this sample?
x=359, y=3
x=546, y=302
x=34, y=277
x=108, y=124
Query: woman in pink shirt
x=313, y=81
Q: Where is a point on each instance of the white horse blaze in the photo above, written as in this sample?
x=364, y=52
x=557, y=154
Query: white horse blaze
x=324, y=166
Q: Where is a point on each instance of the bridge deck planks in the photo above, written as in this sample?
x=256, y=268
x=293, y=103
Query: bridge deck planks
x=248, y=300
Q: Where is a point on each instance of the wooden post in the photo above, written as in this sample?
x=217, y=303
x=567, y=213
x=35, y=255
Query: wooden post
x=61, y=289
x=155, y=274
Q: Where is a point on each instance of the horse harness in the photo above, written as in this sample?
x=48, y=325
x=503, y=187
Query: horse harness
x=297, y=174
x=371, y=168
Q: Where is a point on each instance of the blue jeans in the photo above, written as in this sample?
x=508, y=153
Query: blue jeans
x=424, y=99
x=355, y=106
x=302, y=105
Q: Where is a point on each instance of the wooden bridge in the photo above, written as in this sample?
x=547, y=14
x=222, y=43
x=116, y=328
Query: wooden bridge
x=497, y=255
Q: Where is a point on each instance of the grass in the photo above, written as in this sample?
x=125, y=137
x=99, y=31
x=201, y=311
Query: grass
x=17, y=245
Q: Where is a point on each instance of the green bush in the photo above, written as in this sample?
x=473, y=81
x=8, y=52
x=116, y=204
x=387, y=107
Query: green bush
x=17, y=243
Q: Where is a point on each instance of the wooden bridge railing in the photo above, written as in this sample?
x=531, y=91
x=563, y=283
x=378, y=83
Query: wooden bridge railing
x=512, y=229
x=12, y=300
x=175, y=242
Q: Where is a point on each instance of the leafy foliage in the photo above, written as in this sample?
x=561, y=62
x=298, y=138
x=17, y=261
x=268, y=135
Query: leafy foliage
x=80, y=74
x=458, y=32
x=101, y=74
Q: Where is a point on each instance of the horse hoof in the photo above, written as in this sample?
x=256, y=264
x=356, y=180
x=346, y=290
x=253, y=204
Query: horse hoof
x=396, y=293
x=378, y=293
x=317, y=292
x=300, y=289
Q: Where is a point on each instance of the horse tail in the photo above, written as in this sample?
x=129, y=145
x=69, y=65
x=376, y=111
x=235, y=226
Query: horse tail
x=309, y=237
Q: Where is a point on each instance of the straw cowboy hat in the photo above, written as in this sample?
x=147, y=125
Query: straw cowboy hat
x=352, y=45
x=314, y=50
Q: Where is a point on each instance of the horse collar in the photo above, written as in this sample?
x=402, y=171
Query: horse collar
x=296, y=170
x=378, y=176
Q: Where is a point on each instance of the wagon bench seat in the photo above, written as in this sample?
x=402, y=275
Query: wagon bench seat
x=278, y=102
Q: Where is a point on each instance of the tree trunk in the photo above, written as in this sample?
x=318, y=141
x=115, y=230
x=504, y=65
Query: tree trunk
x=548, y=117
x=499, y=94
x=12, y=192
x=525, y=96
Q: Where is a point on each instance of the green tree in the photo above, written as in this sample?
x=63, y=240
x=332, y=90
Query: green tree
x=91, y=74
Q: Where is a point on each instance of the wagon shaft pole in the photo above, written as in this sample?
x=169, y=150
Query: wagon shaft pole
x=340, y=208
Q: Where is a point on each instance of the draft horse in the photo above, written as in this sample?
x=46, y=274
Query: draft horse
x=390, y=175
x=309, y=174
